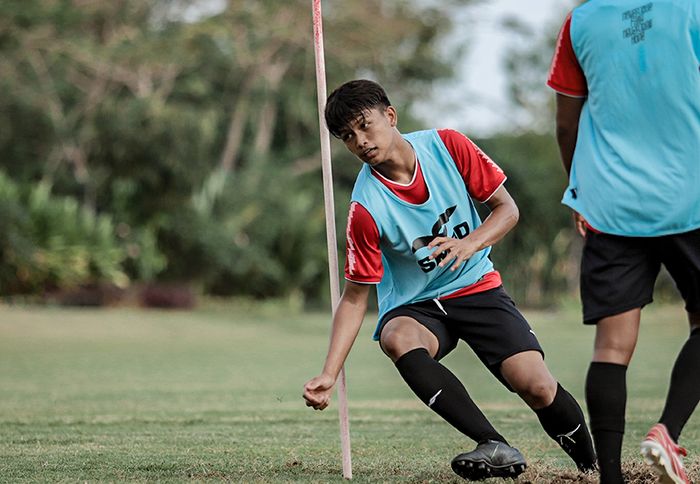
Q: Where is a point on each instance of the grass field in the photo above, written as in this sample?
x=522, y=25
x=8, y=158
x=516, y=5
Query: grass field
x=215, y=394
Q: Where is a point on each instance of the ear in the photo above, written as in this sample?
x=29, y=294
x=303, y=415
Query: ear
x=392, y=116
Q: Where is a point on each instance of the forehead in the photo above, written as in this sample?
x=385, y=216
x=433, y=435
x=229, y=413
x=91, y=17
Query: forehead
x=366, y=115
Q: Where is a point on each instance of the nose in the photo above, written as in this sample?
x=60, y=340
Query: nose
x=360, y=140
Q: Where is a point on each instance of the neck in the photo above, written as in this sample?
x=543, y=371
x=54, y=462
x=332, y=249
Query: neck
x=401, y=163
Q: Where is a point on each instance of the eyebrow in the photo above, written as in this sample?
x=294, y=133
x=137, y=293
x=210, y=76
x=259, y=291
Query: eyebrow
x=360, y=118
x=357, y=120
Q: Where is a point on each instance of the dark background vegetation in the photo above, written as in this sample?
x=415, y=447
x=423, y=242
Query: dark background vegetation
x=138, y=147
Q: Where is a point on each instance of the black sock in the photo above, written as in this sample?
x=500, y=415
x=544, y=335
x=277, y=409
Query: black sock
x=606, y=396
x=438, y=388
x=684, y=391
x=563, y=421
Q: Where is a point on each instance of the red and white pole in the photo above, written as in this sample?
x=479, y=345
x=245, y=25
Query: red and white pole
x=330, y=223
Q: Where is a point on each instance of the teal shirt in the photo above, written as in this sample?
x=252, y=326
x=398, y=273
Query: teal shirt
x=636, y=167
x=405, y=229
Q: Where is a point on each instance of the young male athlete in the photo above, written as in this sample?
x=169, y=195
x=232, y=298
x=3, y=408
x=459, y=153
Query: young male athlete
x=414, y=233
x=627, y=77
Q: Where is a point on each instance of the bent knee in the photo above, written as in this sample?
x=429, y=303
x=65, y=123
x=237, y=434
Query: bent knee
x=399, y=337
x=396, y=343
x=537, y=393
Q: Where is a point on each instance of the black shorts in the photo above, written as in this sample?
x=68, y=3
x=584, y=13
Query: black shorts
x=487, y=321
x=618, y=273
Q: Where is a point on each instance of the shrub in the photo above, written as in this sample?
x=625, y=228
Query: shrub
x=49, y=242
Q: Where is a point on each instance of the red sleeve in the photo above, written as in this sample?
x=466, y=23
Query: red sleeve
x=363, y=256
x=565, y=74
x=481, y=175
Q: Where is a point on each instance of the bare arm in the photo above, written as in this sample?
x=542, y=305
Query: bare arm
x=568, y=114
x=347, y=321
x=503, y=217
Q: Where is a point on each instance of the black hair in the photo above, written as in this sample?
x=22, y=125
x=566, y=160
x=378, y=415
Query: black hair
x=352, y=100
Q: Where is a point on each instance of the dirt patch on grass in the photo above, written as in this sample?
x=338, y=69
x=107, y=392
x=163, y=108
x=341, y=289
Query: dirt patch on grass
x=634, y=473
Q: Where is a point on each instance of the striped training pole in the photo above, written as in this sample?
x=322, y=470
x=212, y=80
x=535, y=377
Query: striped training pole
x=330, y=224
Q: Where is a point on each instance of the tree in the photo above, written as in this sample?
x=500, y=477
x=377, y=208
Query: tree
x=202, y=132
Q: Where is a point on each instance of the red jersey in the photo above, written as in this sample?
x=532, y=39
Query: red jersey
x=565, y=74
x=482, y=177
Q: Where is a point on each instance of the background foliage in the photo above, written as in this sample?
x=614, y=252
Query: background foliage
x=182, y=149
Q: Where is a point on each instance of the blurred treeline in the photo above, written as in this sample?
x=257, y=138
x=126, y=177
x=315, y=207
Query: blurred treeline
x=140, y=142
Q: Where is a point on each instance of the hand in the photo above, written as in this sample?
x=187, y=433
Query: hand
x=317, y=391
x=580, y=224
x=457, y=249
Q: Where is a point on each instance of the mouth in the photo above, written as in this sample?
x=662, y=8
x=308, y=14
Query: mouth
x=369, y=153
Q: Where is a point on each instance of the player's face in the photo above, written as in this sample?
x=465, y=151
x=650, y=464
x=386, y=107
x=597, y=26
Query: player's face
x=370, y=136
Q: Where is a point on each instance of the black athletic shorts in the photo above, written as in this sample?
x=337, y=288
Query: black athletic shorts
x=618, y=273
x=487, y=321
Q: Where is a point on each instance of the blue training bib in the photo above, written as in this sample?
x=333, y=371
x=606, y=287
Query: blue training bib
x=636, y=167
x=405, y=229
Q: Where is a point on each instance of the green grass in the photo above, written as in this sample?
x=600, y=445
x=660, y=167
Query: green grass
x=215, y=394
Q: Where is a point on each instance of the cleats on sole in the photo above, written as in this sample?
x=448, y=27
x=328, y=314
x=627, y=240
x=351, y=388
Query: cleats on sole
x=660, y=463
x=476, y=471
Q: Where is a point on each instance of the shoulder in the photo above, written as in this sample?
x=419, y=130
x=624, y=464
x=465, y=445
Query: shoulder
x=453, y=137
x=361, y=180
x=461, y=148
x=369, y=193
x=422, y=135
x=565, y=73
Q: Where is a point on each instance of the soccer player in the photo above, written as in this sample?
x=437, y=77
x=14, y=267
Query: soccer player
x=627, y=78
x=414, y=233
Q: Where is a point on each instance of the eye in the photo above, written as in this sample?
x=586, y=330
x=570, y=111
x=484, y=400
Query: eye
x=346, y=136
x=364, y=124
